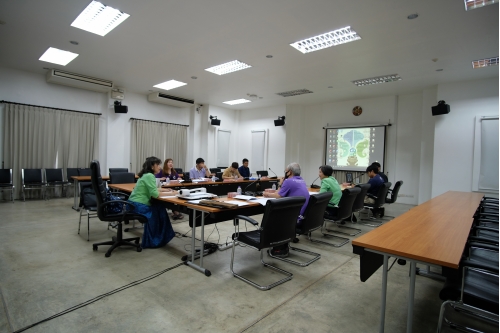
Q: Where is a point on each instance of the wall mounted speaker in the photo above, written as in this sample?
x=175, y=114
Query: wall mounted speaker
x=441, y=108
x=121, y=109
x=215, y=122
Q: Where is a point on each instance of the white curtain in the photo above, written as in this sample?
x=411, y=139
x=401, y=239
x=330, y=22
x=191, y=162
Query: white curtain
x=162, y=140
x=38, y=137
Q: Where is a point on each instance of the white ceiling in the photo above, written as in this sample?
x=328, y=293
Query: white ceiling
x=178, y=39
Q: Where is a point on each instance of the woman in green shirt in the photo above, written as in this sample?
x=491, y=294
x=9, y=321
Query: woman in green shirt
x=330, y=184
x=158, y=230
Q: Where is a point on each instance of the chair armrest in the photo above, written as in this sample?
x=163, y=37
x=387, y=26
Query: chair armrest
x=483, y=240
x=485, y=228
x=484, y=246
x=479, y=265
x=371, y=196
x=246, y=218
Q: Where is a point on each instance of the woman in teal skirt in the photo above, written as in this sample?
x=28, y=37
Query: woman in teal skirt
x=158, y=230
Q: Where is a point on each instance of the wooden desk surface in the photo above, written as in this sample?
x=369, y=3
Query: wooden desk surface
x=435, y=231
x=87, y=178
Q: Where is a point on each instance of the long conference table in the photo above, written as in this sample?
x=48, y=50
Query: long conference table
x=199, y=216
x=433, y=233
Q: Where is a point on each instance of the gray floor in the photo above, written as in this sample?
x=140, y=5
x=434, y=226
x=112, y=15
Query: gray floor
x=46, y=267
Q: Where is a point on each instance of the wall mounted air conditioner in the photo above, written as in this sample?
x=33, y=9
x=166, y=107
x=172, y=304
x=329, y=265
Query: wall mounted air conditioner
x=78, y=81
x=179, y=102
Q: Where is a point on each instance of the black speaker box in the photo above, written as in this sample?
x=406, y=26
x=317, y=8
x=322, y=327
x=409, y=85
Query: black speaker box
x=441, y=108
x=121, y=109
x=215, y=122
x=279, y=122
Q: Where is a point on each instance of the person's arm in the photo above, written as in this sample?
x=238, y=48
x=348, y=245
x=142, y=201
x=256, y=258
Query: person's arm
x=150, y=183
x=272, y=195
x=239, y=174
x=227, y=174
x=167, y=192
x=208, y=174
x=324, y=187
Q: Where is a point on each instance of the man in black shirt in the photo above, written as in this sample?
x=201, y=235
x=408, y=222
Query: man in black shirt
x=380, y=173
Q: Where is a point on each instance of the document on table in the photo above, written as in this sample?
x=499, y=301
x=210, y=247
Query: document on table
x=245, y=197
x=235, y=202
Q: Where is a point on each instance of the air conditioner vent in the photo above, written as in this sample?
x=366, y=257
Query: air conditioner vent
x=78, y=81
x=179, y=102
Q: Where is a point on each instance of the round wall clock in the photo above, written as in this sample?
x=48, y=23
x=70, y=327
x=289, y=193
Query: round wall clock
x=357, y=110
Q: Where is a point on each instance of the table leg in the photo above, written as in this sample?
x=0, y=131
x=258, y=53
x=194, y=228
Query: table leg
x=202, y=250
x=75, y=203
x=409, y=321
x=193, y=249
x=384, y=293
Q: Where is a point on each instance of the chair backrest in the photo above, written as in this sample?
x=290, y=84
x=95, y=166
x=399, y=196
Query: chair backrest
x=121, y=178
x=279, y=221
x=313, y=215
x=71, y=172
x=54, y=175
x=6, y=176
x=359, y=202
x=32, y=176
x=85, y=172
x=218, y=175
x=214, y=170
x=382, y=193
x=348, y=177
x=394, y=193
x=346, y=202
x=262, y=173
x=99, y=188
x=178, y=170
x=116, y=170
x=186, y=176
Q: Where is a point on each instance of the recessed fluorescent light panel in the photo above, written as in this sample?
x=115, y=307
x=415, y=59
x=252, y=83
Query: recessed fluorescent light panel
x=237, y=101
x=294, y=92
x=485, y=62
x=99, y=19
x=228, y=67
x=332, y=38
x=57, y=56
x=167, y=85
x=378, y=79
x=473, y=4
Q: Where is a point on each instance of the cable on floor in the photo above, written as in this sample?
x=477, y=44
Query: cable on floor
x=95, y=299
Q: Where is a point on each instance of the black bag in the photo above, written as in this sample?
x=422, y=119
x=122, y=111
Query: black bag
x=87, y=196
x=114, y=207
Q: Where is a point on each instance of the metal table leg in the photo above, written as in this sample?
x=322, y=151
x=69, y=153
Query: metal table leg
x=193, y=250
x=409, y=321
x=384, y=293
x=75, y=203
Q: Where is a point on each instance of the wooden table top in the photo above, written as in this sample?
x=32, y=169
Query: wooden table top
x=88, y=178
x=434, y=232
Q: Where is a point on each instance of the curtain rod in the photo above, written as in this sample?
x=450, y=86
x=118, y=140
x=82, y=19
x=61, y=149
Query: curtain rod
x=48, y=107
x=161, y=122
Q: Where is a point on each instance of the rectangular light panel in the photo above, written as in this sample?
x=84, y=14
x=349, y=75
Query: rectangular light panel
x=378, y=79
x=237, y=101
x=473, y=4
x=485, y=62
x=167, y=85
x=294, y=92
x=99, y=19
x=57, y=56
x=228, y=67
x=332, y=38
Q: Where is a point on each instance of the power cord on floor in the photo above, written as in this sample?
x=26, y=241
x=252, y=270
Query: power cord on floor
x=95, y=299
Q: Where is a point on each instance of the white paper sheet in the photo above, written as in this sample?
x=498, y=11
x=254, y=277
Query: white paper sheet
x=245, y=197
x=239, y=203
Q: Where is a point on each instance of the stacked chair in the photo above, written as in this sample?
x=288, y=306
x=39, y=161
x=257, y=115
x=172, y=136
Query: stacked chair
x=475, y=291
x=32, y=179
x=55, y=179
x=6, y=182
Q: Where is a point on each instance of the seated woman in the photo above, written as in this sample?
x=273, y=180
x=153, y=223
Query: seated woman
x=168, y=172
x=330, y=184
x=158, y=230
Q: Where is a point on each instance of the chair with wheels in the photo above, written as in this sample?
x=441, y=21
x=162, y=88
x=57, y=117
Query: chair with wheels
x=32, y=179
x=262, y=173
x=55, y=179
x=277, y=228
x=379, y=203
x=393, y=197
x=342, y=213
x=6, y=182
x=125, y=215
x=359, y=202
x=117, y=170
x=312, y=220
x=122, y=178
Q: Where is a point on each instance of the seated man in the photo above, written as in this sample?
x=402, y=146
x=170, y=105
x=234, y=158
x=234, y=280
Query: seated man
x=380, y=173
x=243, y=169
x=231, y=172
x=375, y=181
x=330, y=184
x=292, y=185
x=200, y=170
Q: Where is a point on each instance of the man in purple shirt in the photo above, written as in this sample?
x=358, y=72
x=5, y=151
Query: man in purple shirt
x=291, y=186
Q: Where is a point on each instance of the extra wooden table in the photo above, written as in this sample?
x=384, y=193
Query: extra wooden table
x=433, y=233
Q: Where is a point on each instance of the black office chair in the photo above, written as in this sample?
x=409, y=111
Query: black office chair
x=312, y=220
x=215, y=170
x=359, y=202
x=178, y=170
x=121, y=178
x=339, y=218
x=55, y=179
x=89, y=204
x=277, y=228
x=117, y=170
x=6, y=182
x=379, y=203
x=262, y=173
x=127, y=213
x=84, y=172
x=71, y=172
x=392, y=197
x=32, y=179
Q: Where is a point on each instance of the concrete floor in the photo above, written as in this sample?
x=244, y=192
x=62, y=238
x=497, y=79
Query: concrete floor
x=46, y=267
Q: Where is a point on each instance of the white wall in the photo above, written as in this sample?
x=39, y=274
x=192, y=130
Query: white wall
x=229, y=122
x=454, y=132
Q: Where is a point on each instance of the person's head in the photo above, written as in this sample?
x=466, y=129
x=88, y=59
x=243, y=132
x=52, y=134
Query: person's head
x=152, y=165
x=234, y=165
x=200, y=163
x=325, y=171
x=371, y=171
x=292, y=169
x=377, y=165
x=168, y=166
x=245, y=163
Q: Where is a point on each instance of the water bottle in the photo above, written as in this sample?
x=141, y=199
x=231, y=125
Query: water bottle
x=213, y=178
x=167, y=181
x=274, y=187
x=239, y=190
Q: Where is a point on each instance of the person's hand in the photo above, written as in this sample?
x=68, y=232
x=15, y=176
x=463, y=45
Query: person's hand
x=282, y=179
x=265, y=194
x=163, y=179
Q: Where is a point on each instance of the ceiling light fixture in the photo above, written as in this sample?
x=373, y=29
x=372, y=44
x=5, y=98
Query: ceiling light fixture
x=485, y=62
x=167, y=85
x=99, y=19
x=473, y=4
x=237, y=101
x=377, y=79
x=228, y=67
x=332, y=38
x=57, y=56
x=294, y=92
